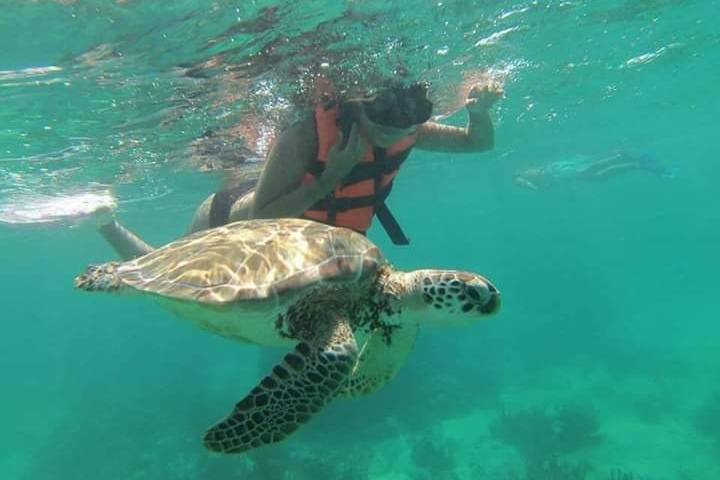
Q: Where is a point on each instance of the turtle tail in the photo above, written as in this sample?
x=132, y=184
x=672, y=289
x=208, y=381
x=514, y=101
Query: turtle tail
x=100, y=277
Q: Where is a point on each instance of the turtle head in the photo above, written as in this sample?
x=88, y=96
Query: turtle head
x=451, y=297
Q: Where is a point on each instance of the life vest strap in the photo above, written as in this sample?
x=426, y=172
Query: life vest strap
x=391, y=225
x=339, y=204
x=362, y=192
x=363, y=171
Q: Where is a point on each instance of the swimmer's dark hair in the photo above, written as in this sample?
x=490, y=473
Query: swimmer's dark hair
x=399, y=106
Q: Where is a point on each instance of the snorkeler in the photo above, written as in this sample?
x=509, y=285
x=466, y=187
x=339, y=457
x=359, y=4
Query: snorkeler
x=566, y=171
x=337, y=166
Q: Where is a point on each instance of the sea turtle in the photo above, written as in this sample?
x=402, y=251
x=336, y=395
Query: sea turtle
x=326, y=292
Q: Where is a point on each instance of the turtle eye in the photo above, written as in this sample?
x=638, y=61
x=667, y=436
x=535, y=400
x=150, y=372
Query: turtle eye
x=473, y=293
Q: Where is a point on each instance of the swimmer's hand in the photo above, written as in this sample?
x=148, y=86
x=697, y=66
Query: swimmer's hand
x=482, y=96
x=341, y=160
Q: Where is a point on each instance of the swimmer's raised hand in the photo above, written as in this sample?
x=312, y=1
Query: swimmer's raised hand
x=482, y=96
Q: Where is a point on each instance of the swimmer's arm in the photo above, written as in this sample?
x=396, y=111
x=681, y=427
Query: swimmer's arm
x=280, y=192
x=478, y=136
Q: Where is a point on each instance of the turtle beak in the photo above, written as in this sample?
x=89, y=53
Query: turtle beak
x=485, y=296
x=492, y=304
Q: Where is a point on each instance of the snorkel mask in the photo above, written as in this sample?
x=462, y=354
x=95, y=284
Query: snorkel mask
x=399, y=106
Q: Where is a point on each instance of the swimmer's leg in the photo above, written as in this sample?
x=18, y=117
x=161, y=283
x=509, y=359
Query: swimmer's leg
x=612, y=170
x=125, y=243
x=596, y=167
x=223, y=207
x=201, y=219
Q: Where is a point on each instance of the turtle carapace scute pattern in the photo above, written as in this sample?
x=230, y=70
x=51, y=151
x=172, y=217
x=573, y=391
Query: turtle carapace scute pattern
x=347, y=317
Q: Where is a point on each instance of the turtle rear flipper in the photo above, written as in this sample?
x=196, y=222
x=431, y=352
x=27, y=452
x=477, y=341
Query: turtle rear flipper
x=304, y=382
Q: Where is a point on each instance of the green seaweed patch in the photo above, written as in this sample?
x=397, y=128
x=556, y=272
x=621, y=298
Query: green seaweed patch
x=622, y=474
x=556, y=469
x=707, y=417
x=541, y=435
x=433, y=456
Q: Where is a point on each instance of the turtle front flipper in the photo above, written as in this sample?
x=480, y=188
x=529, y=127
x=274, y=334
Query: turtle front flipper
x=304, y=382
x=382, y=354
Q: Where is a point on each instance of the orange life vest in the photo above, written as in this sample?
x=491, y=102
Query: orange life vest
x=362, y=193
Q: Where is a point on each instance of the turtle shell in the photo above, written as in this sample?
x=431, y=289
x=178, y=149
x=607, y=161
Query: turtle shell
x=253, y=260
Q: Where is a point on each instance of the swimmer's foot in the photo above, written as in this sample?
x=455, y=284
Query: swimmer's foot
x=104, y=216
x=652, y=165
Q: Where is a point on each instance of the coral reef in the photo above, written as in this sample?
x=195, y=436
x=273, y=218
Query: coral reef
x=707, y=417
x=555, y=469
x=621, y=474
x=432, y=455
x=541, y=434
x=652, y=408
x=304, y=463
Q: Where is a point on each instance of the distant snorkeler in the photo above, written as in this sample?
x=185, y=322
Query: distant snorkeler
x=588, y=169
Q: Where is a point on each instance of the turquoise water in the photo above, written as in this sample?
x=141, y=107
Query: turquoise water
x=604, y=361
